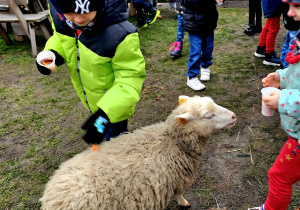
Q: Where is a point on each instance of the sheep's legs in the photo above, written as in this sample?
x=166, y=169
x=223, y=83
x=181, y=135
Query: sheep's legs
x=181, y=201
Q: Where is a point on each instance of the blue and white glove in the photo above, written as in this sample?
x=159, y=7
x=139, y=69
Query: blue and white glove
x=96, y=127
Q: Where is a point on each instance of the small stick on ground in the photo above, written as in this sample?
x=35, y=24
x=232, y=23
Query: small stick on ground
x=237, y=138
x=218, y=207
x=219, y=29
x=249, y=127
x=251, y=155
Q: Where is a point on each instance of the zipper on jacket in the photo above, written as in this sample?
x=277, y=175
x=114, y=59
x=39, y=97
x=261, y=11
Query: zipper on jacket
x=77, y=35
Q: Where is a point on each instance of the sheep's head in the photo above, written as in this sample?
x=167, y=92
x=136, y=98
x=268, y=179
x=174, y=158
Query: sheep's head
x=199, y=111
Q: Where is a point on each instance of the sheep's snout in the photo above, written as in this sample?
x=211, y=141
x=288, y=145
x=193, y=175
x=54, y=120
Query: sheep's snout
x=224, y=118
x=230, y=125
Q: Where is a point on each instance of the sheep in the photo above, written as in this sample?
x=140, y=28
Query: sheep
x=140, y=170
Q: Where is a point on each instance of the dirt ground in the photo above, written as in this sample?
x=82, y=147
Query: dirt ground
x=233, y=173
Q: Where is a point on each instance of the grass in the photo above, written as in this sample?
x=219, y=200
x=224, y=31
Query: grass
x=41, y=116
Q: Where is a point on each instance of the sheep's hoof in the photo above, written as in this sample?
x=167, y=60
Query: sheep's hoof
x=182, y=202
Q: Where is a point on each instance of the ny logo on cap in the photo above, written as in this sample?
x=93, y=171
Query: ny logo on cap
x=83, y=6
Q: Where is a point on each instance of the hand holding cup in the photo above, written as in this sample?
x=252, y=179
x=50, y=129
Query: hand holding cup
x=270, y=97
x=46, y=59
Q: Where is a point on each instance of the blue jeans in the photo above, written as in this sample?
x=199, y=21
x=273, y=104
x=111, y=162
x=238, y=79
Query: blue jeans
x=180, y=30
x=115, y=129
x=287, y=47
x=200, y=53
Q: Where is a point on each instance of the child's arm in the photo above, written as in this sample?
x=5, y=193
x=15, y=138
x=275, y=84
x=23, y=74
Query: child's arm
x=289, y=102
x=283, y=77
x=129, y=72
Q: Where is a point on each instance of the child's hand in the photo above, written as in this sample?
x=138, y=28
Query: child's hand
x=272, y=100
x=272, y=80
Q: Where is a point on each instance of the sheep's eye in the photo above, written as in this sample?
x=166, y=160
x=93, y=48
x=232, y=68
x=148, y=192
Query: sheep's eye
x=209, y=116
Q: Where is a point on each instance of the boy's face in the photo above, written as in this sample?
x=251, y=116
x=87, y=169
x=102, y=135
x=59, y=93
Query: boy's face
x=294, y=11
x=80, y=19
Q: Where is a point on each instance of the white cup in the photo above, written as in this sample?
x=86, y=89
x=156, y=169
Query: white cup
x=264, y=109
x=46, y=54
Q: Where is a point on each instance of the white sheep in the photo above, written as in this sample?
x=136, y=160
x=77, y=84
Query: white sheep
x=141, y=170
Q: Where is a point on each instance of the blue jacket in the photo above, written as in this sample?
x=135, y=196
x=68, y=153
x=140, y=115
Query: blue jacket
x=199, y=16
x=289, y=99
x=272, y=8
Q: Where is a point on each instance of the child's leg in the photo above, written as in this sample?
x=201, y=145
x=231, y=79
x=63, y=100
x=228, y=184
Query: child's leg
x=283, y=174
x=195, y=55
x=139, y=10
x=251, y=12
x=274, y=26
x=263, y=36
x=207, y=49
x=258, y=14
x=146, y=6
x=180, y=30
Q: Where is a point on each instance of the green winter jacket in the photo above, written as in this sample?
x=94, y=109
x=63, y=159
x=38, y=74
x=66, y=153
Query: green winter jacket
x=111, y=66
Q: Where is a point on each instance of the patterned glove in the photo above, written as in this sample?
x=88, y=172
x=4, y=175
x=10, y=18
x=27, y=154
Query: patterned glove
x=96, y=127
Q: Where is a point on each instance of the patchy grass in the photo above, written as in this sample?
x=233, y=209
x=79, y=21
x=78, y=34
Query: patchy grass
x=41, y=116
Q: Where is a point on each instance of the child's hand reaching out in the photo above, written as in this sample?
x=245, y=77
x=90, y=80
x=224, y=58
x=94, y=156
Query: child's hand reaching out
x=272, y=80
x=272, y=100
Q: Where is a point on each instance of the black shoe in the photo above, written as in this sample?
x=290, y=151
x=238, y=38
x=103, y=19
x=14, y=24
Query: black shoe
x=141, y=23
x=153, y=17
x=271, y=59
x=260, y=52
x=249, y=30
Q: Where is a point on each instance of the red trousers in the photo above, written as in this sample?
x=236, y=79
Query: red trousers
x=282, y=175
x=269, y=33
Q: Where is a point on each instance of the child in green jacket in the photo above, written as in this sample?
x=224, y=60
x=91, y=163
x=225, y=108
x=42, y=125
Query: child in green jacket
x=107, y=68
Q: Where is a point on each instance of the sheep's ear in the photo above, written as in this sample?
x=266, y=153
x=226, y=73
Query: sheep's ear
x=184, y=118
x=182, y=99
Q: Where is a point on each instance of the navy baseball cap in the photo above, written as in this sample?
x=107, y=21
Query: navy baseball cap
x=77, y=6
x=292, y=1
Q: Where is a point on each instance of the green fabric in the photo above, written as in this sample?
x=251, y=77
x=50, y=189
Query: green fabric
x=120, y=78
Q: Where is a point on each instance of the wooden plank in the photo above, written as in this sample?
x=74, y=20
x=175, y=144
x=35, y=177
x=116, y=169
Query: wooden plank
x=33, y=42
x=16, y=10
x=27, y=17
x=45, y=31
x=5, y=37
x=18, y=2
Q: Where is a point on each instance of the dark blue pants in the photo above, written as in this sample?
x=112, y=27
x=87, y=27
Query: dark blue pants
x=115, y=129
x=143, y=7
x=200, y=53
x=180, y=30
